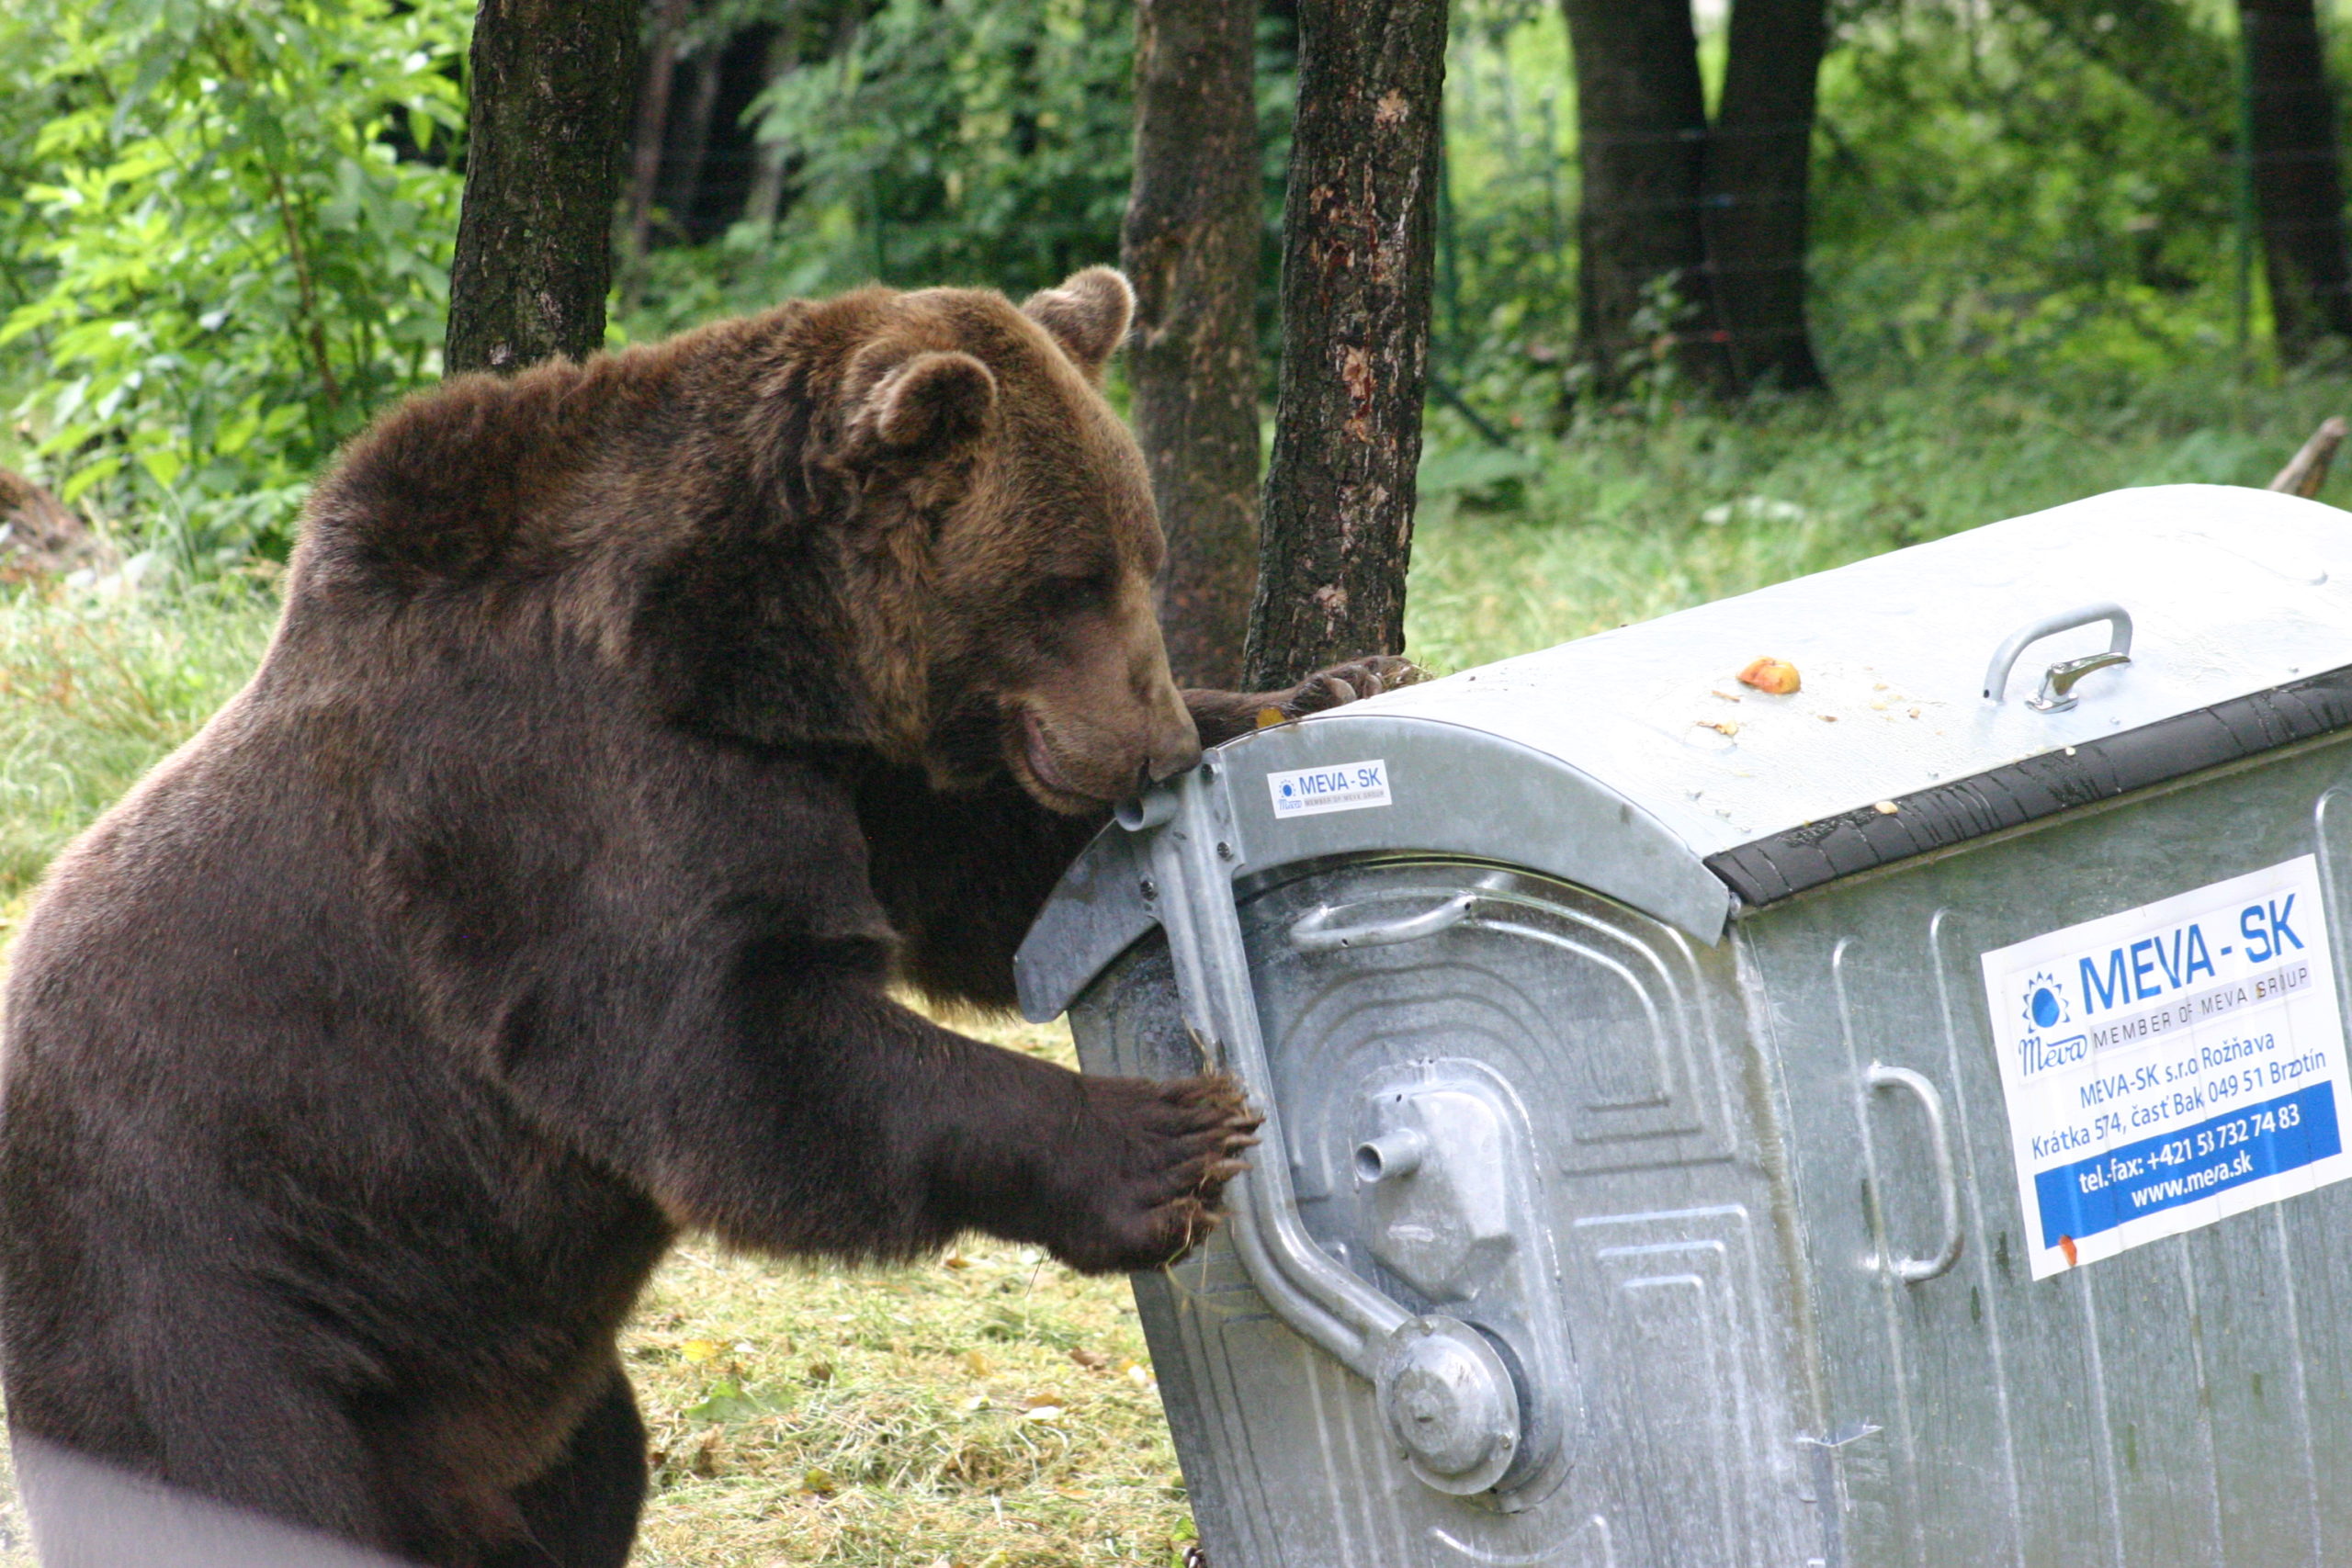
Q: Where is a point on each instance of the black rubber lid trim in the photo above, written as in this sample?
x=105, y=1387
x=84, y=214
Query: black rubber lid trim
x=1788, y=863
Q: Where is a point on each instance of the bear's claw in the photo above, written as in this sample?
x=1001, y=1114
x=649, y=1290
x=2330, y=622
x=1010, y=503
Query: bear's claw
x=1352, y=682
x=1170, y=1151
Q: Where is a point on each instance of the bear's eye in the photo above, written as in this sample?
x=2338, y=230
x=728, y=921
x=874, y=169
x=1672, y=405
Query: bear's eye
x=1074, y=595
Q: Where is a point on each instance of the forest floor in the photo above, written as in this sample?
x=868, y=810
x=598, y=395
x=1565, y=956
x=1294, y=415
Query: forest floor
x=988, y=1409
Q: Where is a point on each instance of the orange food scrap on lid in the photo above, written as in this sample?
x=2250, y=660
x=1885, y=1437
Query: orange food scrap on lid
x=1775, y=675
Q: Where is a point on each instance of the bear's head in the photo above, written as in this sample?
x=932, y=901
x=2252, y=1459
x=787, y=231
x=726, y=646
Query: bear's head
x=1009, y=544
x=905, y=523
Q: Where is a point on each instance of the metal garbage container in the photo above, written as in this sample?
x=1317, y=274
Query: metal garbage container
x=1894, y=1122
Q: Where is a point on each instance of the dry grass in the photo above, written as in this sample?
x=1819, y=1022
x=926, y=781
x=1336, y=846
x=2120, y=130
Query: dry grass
x=988, y=1410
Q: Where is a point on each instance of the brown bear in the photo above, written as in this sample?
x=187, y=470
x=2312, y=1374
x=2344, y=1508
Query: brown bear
x=628, y=729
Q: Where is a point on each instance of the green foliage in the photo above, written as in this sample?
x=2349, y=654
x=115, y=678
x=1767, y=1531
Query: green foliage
x=234, y=268
x=947, y=142
x=1990, y=185
x=1507, y=262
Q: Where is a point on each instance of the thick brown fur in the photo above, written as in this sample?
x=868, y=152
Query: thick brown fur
x=630, y=727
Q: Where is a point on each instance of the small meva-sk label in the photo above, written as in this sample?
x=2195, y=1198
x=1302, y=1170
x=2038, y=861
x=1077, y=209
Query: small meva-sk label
x=1341, y=787
x=2170, y=1064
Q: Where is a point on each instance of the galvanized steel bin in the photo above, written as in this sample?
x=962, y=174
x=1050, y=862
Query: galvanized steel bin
x=1896, y=1123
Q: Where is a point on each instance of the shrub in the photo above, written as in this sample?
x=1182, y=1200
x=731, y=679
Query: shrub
x=235, y=264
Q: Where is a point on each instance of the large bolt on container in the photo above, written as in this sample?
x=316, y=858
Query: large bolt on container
x=1894, y=1121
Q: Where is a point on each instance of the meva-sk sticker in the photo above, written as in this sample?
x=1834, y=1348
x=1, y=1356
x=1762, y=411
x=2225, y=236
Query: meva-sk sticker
x=2170, y=1064
x=1341, y=787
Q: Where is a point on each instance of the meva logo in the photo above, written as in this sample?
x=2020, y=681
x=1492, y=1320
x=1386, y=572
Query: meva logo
x=2154, y=966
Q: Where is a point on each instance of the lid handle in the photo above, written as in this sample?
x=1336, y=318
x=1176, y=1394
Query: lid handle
x=2057, y=692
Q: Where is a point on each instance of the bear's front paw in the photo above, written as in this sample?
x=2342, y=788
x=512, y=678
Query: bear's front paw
x=1357, y=679
x=1170, y=1151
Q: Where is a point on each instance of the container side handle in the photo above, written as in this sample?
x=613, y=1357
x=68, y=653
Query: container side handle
x=2005, y=658
x=1313, y=931
x=1917, y=1270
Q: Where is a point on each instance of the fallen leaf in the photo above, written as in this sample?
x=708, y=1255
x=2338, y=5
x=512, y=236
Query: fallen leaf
x=977, y=1364
x=956, y=1260
x=698, y=1350
x=1720, y=725
x=819, y=1480
x=820, y=1372
x=1269, y=718
x=1886, y=808
x=1093, y=1360
x=1041, y=1413
x=1829, y=719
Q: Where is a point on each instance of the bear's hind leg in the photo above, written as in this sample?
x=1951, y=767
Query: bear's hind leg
x=582, y=1513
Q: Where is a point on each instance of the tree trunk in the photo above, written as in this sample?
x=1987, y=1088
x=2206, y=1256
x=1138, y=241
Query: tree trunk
x=2298, y=182
x=1358, y=246
x=1641, y=139
x=772, y=161
x=1190, y=244
x=545, y=139
x=1759, y=155
x=690, y=148
x=653, y=129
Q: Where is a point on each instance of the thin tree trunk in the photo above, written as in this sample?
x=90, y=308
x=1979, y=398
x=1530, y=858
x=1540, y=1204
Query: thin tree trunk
x=1358, y=247
x=545, y=137
x=2298, y=179
x=691, y=146
x=1758, y=157
x=770, y=161
x=1641, y=139
x=653, y=127
x=1190, y=243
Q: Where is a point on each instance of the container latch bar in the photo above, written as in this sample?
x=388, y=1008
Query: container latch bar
x=1449, y=1398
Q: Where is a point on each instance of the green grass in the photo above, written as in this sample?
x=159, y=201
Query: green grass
x=1632, y=517
x=991, y=1410
x=94, y=689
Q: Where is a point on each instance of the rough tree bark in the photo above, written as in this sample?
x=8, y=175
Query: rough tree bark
x=1190, y=244
x=1641, y=140
x=2298, y=179
x=1759, y=158
x=1358, y=247
x=545, y=139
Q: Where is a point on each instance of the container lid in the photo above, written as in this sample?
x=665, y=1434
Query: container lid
x=2240, y=611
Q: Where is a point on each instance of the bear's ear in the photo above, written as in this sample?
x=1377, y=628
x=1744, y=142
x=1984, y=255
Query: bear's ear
x=935, y=402
x=1087, y=315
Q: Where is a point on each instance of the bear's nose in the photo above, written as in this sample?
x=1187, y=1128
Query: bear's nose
x=1168, y=767
x=1177, y=747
